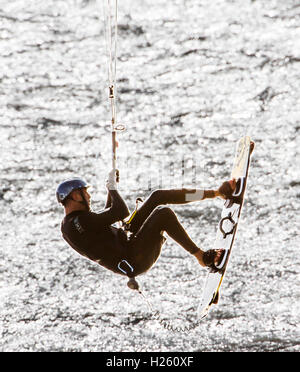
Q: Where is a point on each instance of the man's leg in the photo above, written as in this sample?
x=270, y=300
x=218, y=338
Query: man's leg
x=151, y=221
x=163, y=219
x=162, y=197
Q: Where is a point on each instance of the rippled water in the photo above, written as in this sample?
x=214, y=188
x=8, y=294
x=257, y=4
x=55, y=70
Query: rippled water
x=193, y=77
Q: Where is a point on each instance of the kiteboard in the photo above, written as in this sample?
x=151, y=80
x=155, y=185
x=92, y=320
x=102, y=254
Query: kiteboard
x=228, y=224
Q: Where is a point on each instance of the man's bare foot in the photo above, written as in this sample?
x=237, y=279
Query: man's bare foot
x=218, y=255
x=226, y=189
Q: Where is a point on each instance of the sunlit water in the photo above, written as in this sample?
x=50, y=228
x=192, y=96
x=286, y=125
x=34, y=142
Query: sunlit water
x=193, y=77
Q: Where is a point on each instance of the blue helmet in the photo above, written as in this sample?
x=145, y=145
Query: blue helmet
x=65, y=188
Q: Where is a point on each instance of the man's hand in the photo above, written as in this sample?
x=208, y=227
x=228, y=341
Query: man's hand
x=111, y=182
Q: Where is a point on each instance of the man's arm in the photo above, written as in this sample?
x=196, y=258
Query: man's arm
x=117, y=211
x=118, y=207
x=115, y=205
x=108, y=200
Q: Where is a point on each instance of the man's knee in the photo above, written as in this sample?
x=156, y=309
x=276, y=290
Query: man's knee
x=163, y=211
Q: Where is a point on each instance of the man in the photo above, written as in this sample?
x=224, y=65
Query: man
x=133, y=252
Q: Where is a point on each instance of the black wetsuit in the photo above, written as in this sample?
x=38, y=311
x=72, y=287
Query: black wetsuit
x=93, y=236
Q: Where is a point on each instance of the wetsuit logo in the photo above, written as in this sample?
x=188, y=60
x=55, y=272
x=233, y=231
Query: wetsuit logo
x=78, y=227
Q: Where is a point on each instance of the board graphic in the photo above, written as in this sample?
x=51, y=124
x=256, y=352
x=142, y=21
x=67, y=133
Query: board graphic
x=228, y=224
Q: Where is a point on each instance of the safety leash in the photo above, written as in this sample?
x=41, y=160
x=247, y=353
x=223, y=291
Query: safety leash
x=165, y=323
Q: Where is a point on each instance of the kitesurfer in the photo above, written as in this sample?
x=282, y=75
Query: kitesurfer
x=131, y=253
